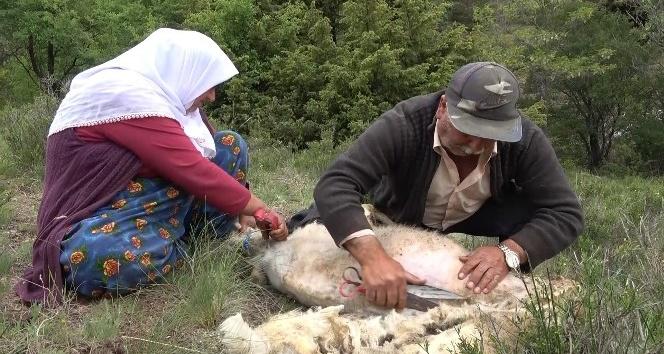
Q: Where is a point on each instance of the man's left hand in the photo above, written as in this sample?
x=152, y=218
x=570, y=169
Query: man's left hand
x=484, y=267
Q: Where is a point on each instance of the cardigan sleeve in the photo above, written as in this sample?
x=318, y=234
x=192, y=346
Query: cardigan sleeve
x=163, y=147
x=339, y=192
x=558, y=219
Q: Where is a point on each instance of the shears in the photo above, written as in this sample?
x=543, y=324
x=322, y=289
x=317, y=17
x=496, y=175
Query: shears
x=418, y=297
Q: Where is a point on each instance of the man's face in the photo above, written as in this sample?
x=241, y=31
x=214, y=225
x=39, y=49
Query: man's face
x=456, y=142
x=207, y=96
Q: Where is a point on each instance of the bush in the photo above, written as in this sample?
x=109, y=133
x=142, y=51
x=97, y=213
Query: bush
x=24, y=131
x=649, y=144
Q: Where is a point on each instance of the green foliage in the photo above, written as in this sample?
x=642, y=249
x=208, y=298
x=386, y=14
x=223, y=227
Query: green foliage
x=51, y=41
x=589, y=73
x=104, y=321
x=16, y=86
x=6, y=261
x=228, y=22
x=212, y=283
x=653, y=22
x=648, y=136
x=588, y=65
x=306, y=69
x=23, y=130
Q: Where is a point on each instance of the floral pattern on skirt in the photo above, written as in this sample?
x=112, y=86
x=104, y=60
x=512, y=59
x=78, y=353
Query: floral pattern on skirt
x=140, y=236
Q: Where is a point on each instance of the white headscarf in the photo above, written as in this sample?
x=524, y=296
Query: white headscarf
x=161, y=76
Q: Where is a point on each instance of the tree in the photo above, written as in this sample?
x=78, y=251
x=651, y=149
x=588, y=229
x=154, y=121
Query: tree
x=332, y=10
x=585, y=62
x=53, y=40
x=228, y=22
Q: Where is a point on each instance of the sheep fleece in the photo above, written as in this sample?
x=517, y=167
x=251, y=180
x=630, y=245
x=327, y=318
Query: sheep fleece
x=308, y=266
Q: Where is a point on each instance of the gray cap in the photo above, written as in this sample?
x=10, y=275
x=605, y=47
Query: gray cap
x=481, y=101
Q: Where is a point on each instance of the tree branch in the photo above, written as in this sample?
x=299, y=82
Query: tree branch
x=586, y=143
x=69, y=69
x=33, y=57
x=25, y=67
x=51, y=59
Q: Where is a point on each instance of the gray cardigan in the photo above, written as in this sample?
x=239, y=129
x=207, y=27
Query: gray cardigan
x=393, y=162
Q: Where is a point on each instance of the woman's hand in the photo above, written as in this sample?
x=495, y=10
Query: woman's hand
x=245, y=222
x=272, y=224
x=281, y=233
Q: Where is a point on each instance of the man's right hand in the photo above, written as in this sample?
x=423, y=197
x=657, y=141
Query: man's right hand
x=383, y=278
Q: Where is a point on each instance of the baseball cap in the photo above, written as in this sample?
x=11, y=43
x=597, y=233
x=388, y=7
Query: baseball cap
x=481, y=101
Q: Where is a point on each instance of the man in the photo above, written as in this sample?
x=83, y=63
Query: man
x=460, y=160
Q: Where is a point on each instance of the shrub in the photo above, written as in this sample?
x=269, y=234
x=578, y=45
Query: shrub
x=24, y=130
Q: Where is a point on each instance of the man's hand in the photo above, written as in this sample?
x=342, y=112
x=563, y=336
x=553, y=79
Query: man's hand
x=484, y=267
x=383, y=278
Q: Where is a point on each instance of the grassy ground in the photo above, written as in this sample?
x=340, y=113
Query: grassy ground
x=174, y=317
x=618, y=261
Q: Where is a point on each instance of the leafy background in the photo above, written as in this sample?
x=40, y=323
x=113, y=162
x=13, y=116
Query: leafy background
x=312, y=76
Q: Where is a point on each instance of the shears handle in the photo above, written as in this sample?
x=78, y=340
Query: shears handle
x=350, y=290
x=351, y=285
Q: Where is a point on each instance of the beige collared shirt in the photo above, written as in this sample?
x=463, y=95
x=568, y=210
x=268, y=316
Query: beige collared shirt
x=450, y=200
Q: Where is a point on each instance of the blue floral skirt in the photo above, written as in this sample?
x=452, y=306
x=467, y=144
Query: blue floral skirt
x=141, y=235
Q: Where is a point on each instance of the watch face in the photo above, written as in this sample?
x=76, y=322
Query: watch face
x=513, y=261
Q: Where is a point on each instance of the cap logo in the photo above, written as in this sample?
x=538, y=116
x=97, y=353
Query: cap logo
x=499, y=88
x=497, y=96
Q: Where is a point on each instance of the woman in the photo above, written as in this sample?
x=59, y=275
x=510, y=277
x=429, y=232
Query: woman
x=130, y=159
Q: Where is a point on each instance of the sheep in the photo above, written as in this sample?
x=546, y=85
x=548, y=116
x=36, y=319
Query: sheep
x=308, y=266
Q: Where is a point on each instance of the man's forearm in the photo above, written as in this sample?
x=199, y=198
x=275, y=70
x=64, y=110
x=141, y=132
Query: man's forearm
x=365, y=249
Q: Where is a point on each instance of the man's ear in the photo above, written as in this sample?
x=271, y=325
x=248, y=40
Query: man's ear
x=442, y=107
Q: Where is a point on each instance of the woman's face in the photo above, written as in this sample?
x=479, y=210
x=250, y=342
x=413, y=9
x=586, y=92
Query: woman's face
x=207, y=96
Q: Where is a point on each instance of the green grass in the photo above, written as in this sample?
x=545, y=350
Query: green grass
x=179, y=315
x=618, y=261
x=285, y=179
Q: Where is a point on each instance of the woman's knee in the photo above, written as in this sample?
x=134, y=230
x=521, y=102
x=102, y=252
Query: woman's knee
x=231, y=139
x=232, y=153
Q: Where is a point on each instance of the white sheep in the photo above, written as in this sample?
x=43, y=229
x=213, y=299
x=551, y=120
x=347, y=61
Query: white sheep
x=308, y=266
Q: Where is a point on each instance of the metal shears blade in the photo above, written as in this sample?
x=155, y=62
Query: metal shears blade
x=425, y=297
x=430, y=292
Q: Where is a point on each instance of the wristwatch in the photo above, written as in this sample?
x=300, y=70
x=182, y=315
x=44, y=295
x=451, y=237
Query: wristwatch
x=511, y=258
